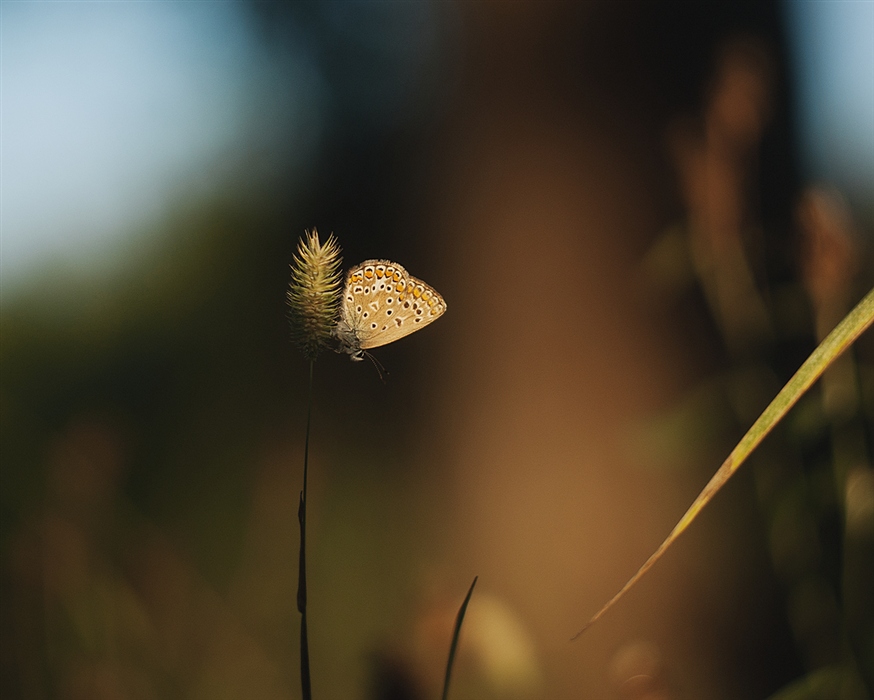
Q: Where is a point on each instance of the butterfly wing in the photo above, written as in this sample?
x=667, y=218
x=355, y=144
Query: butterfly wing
x=381, y=303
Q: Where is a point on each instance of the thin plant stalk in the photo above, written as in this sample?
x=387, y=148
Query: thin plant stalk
x=455, y=634
x=313, y=297
x=306, y=689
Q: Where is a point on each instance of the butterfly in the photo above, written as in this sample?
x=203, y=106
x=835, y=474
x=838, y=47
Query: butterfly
x=381, y=303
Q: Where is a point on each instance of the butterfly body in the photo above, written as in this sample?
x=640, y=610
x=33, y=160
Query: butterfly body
x=382, y=303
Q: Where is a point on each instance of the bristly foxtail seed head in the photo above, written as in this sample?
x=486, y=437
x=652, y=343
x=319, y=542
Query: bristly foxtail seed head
x=314, y=292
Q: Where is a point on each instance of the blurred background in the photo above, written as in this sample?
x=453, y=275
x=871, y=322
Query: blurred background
x=689, y=186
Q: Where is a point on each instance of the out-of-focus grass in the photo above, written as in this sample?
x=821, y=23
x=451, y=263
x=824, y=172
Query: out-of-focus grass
x=151, y=459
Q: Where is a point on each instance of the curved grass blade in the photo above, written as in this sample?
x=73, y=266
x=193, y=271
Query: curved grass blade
x=846, y=332
x=455, y=633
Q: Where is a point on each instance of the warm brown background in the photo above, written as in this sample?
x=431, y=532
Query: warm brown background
x=542, y=165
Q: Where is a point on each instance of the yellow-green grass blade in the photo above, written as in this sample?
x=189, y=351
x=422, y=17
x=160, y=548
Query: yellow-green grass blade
x=844, y=335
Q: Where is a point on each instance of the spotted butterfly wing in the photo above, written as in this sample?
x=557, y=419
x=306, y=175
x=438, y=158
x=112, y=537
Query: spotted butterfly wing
x=381, y=303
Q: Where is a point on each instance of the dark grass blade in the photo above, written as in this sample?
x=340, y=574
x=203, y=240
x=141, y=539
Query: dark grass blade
x=455, y=634
x=306, y=690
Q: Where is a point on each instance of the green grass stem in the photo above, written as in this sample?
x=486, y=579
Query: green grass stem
x=844, y=335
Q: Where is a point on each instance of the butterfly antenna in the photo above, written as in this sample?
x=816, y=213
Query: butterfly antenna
x=380, y=368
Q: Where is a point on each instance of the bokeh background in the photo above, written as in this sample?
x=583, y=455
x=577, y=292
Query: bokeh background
x=642, y=215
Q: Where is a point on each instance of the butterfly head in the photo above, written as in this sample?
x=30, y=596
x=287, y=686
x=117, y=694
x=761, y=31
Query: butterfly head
x=347, y=339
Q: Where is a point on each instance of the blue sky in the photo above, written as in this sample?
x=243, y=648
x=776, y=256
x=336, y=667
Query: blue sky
x=833, y=54
x=110, y=110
